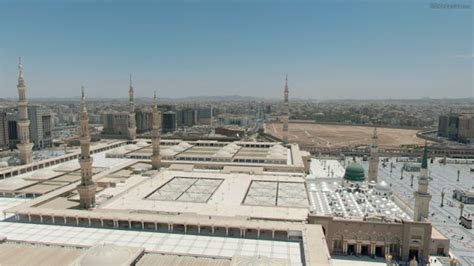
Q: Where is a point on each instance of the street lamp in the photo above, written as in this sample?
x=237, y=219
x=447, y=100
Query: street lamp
x=442, y=198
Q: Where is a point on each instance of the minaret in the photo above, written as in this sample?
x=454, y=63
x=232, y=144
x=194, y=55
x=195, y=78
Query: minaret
x=374, y=158
x=87, y=187
x=24, y=147
x=155, y=137
x=285, y=112
x=132, y=128
x=422, y=196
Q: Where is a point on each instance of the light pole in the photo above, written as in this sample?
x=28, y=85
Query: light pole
x=459, y=172
x=411, y=182
x=442, y=198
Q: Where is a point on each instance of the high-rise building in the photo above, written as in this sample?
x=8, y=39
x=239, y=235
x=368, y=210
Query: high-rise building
x=12, y=127
x=87, y=187
x=144, y=120
x=189, y=117
x=4, y=143
x=453, y=127
x=204, y=115
x=24, y=147
x=458, y=127
x=169, y=122
x=443, y=125
x=116, y=124
x=466, y=128
x=40, y=126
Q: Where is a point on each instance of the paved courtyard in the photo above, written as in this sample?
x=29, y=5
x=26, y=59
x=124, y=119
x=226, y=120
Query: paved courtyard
x=445, y=219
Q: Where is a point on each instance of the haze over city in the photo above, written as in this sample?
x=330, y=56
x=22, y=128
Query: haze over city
x=341, y=50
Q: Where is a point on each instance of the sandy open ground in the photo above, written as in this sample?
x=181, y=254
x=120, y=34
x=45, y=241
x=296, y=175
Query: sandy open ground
x=338, y=135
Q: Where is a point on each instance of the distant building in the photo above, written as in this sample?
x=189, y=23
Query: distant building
x=457, y=127
x=95, y=118
x=443, y=125
x=466, y=128
x=188, y=117
x=12, y=129
x=169, y=122
x=40, y=127
x=115, y=124
x=144, y=120
x=204, y=116
x=3, y=130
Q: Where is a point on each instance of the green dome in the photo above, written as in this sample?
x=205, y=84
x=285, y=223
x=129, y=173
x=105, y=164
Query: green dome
x=354, y=172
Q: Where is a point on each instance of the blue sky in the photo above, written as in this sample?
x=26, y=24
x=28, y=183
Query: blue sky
x=330, y=50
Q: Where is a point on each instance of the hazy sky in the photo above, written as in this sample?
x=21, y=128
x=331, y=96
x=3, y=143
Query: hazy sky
x=337, y=49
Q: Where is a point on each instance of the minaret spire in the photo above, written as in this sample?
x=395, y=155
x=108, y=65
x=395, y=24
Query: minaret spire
x=155, y=137
x=24, y=147
x=422, y=196
x=374, y=158
x=87, y=187
x=132, y=128
x=285, y=111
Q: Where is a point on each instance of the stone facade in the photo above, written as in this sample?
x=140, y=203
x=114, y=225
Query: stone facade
x=155, y=139
x=87, y=188
x=374, y=237
x=374, y=159
x=24, y=147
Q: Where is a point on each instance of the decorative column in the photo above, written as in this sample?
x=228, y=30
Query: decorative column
x=23, y=124
x=155, y=138
x=87, y=188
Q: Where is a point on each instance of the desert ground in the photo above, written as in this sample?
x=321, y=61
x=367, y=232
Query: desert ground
x=322, y=135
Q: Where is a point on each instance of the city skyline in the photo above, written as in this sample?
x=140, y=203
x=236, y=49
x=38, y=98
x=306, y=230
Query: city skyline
x=369, y=51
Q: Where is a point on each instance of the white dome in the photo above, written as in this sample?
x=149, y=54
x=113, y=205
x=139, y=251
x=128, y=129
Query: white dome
x=382, y=186
x=142, y=143
x=3, y=164
x=42, y=173
x=119, y=150
x=131, y=147
x=167, y=152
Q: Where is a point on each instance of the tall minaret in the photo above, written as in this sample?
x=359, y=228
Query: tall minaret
x=24, y=147
x=155, y=137
x=132, y=128
x=422, y=196
x=286, y=112
x=87, y=187
x=374, y=158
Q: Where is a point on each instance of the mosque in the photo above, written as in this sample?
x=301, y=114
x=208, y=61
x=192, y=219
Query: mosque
x=249, y=202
